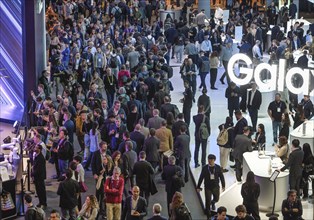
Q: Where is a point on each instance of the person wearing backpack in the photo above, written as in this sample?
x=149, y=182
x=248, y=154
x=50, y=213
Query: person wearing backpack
x=211, y=174
x=179, y=209
x=202, y=132
x=33, y=212
x=225, y=142
x=204, y=65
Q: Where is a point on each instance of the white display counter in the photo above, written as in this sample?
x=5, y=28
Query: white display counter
x=260, y=166
x=307, y=137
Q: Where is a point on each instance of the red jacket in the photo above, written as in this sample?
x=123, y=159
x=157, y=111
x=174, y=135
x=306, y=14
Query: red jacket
x=114, y=190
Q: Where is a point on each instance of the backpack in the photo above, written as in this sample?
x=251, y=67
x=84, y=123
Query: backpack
x=177, y=179
x=205, y=67
x=117, y=12
x=223, y=137
x=203, y=131
x=168, y=69
x=183, y=213
x=150, y=43
x=71, y=151
x=39, y=213
x=113, y=62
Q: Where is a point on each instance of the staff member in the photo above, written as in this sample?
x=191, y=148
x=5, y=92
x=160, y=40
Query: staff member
x=211, y=174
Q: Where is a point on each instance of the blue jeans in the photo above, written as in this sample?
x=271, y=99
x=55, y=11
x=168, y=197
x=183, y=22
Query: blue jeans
x=63, y=165
x=276, y=129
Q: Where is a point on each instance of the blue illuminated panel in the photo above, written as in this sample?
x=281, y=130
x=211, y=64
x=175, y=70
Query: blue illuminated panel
x=11, y=59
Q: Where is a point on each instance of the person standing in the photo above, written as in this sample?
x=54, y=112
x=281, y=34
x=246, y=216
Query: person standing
x=31, y=209
x=275, y=110
x=226, y=54
x=151, y=147
x=182, y=152
x=241, y=123
x=254, y=101
x=143, y=172
x=135, y=206
x=242, y=144
x=169, y=171
x=199, y=119
x=99, y=171
x=129, y=158
x=308, y=162
x=291, y=207
x=177, y=125
x=233, y=95
x=63, y=150
x=39, y=175
x=295, y=166
x=308, y=107
x=211, y=174
x=114, y=192
x=165, y=137
x=205, y=101
x=214, y=62
x=68, y=191
x=250, y=192
x=187, y=102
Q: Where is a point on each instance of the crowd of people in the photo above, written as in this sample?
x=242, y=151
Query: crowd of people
x=108, y=87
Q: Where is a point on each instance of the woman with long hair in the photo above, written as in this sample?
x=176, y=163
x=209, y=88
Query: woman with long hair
x=170, y=120
x=250, y=192
x=298, y=116
x=116, y=159
x=175, y=205
x=285, y=129
x=89, y=209
x=225, y=149
x=282, y=149
x=308, y=164
x=260, y=137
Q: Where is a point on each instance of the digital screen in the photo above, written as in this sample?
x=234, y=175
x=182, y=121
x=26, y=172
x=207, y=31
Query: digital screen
x=11, y=60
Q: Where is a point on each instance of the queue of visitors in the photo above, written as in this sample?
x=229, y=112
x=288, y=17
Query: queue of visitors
x=108, y=86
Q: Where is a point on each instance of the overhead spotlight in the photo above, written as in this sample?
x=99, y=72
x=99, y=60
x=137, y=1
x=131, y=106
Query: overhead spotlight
x=16, y=127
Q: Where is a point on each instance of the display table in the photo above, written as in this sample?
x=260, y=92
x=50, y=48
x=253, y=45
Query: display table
x=308, y=137
x=260, y=166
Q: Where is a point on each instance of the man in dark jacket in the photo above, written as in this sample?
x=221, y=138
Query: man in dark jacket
x=140, y=210
x=97, y=168
x=233, y=95
x=168, y=172
x=254, y=101
x=151, y=146
x=198, y=120
x=177, y=125
x=211, y=174
x=143, y=172
x=291, y=207
x=68, y=191
x=167, y=107
x=129, y=158
x=242, y=144
x=295, y=165
x=39, y=175
x=182, y=151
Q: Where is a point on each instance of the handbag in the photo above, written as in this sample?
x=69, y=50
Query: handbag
x=7, y=202
x=83, y=187
x=99, y=181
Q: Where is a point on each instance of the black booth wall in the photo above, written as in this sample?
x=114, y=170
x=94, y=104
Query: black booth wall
x=34, y=38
